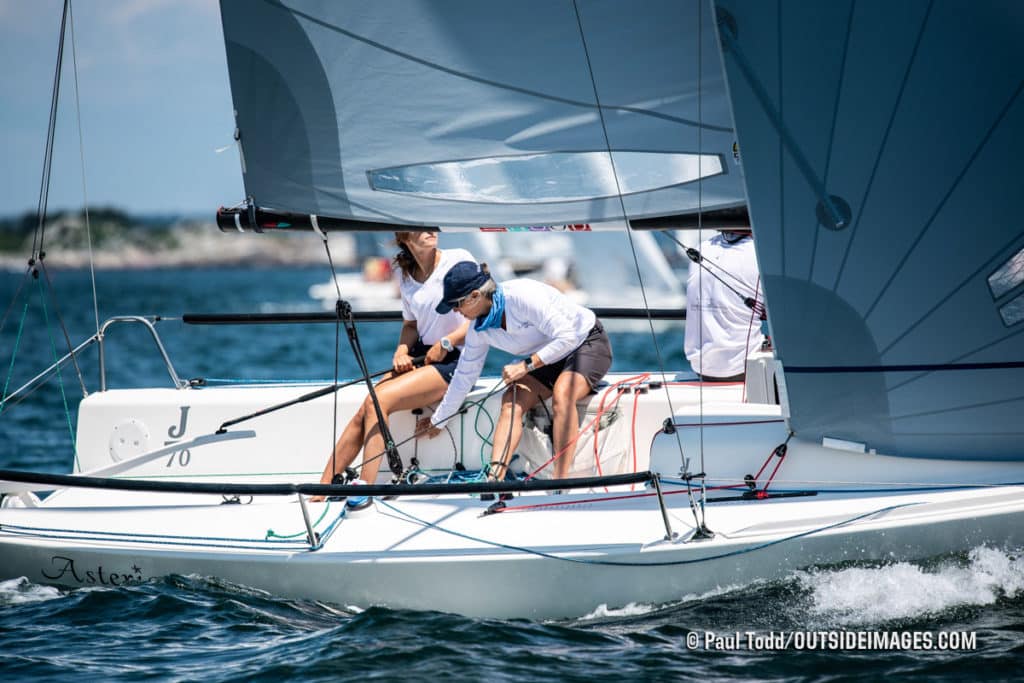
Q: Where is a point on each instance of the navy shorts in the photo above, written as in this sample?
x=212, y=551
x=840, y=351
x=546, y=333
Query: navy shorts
x=591, y=359
x=446, y=367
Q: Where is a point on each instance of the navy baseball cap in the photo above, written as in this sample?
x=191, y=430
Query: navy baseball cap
x=463, y=278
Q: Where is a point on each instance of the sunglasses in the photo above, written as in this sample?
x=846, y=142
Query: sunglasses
x=458, y=302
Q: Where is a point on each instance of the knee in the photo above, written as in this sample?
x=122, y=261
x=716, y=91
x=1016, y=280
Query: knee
x=369, y=412
x=562, y=401
x=509, y=408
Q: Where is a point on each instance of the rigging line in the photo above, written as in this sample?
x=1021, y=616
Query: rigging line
x=696, y=257
x=343, y=310
x=14, y=299
x=699, y=520
x=938, y=209
x=462, y=409
x=716, y=266
x=44, y=189
x=60, y=377
x=63, y=327
x=665, y=563
x=832, y=131
x=881, y=149
x=944, y=299
x=337, y=345
x=625, y=218
x=15, y=398
x=14, y=354
x=81, y=155
x=486, y=81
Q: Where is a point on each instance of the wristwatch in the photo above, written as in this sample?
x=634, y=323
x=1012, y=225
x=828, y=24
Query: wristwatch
x=529, y=364
x=446, y=344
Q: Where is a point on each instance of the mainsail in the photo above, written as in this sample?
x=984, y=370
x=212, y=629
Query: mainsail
x=467, y=113
x=881, y=145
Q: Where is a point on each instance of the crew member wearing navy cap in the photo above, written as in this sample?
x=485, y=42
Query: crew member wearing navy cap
x=565, y=349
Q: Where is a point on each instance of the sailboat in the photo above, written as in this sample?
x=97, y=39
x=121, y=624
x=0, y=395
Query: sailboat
x=885, y=427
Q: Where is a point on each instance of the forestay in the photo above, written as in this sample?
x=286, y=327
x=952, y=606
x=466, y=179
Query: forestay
x=881, y=145
x=467, y=113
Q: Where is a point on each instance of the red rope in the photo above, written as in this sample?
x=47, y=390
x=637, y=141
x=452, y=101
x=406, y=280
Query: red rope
x=779, y=451
x=593, y=423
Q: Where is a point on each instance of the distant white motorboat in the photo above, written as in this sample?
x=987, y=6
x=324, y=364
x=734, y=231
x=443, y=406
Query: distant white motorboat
x=363, y=294
x=885, y=428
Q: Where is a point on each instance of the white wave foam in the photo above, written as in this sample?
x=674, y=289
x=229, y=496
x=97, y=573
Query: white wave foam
x=631, y=610
x=634, y=609
x=21, y=590
x=859, y=596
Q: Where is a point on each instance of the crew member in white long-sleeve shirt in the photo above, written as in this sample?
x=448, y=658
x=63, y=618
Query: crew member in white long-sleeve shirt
x=566, y=353
x=721, y=329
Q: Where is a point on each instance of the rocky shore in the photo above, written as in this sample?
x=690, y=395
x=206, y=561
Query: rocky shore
x=119, y=243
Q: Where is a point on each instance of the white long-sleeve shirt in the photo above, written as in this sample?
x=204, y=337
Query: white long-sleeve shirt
x=538, y=319
x=721, y=331
x=419, y=299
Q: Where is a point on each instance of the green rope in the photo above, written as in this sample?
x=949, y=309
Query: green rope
x=485, y=442
x=272, y=534
x=462, y=438
x=60, y=377
x=14, y=354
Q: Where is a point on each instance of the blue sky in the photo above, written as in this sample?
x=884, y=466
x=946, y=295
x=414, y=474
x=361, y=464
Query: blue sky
x=155, y=106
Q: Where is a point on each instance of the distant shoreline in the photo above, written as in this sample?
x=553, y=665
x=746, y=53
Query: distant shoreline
x=19, y=264
x=121, y=242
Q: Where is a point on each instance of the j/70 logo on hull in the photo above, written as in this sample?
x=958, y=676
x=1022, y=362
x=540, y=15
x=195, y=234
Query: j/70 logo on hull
x=62, y=567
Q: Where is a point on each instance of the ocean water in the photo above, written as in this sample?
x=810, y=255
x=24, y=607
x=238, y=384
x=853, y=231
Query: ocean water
x=950, y=618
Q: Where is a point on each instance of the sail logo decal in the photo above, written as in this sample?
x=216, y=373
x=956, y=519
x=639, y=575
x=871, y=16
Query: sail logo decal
x=63, y=567
x=1005, y=279
x=577, y=227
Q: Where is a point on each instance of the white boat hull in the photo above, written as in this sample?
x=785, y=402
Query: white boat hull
x=561, y=561
x=543, y=557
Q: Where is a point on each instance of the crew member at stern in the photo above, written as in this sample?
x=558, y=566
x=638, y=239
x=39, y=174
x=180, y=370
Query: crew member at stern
x=724, y=307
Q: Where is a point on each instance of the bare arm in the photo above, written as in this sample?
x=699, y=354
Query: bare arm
x=437, y=352
x=402, y=361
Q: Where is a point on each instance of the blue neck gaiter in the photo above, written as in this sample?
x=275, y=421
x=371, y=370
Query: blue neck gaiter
x=492, y=319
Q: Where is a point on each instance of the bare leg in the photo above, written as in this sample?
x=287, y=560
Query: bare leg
x=347, y=448
x=509, y=429
x=569, y=388
x=410, y=390
x=349, y=443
